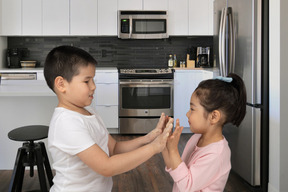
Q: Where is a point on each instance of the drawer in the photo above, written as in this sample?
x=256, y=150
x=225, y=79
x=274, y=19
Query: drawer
x=106, y=77
x=109, y=114
x=106, y=94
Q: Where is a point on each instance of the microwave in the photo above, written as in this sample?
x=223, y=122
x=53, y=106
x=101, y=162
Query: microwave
x=142, y=25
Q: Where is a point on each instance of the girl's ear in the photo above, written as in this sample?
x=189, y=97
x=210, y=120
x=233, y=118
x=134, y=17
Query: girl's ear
x=215, y=116
x=59, y=84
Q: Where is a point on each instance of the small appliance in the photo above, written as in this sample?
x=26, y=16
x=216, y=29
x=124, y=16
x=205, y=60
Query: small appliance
x=203, y=57
x=14, y=56
x=142, y=24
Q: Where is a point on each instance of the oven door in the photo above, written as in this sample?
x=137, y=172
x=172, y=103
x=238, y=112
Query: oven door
x=146, y=97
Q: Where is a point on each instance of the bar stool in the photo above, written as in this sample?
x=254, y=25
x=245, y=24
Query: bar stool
x=30, y=154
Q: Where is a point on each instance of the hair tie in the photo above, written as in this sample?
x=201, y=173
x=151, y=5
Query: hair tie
x=225, y=79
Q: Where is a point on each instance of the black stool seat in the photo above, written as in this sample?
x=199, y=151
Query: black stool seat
x=30, y=154
x=29, y=133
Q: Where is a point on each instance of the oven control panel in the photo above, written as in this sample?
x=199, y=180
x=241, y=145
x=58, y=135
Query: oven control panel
x=146, y=71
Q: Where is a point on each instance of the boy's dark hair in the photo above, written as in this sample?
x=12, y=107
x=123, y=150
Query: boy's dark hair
x=65, y=61
x=230, y=98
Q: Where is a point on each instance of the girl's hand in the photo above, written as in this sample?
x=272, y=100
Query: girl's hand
x=158, y=129
x=160, y=142
x=173, y=140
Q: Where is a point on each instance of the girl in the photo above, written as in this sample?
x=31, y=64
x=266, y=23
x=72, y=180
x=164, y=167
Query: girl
x=205, y=162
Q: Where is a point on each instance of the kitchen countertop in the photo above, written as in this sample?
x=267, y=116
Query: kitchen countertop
x=32, y=87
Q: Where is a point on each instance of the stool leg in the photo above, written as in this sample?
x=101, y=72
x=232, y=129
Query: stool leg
x=41, y=173
x=47, y=164
x=18, y=171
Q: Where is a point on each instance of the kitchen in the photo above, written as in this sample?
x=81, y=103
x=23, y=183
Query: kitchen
x=178, y=29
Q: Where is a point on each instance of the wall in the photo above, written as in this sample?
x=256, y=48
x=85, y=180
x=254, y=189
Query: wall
x=114, y=52
x=278, y=157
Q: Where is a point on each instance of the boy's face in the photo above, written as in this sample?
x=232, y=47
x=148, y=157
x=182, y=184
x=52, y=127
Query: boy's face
x=79, y=92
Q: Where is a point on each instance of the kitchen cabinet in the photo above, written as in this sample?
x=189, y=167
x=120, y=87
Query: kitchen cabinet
x=178, y=17
x=11, y=17
x=106, y=96
x=83, y=17
x=185, y=82
x=201, y=17
x=142, y=5
x=55, y=17
x=31, y=17
x=107, y=17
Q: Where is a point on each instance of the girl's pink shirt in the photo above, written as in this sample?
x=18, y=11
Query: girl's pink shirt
x=203, y=169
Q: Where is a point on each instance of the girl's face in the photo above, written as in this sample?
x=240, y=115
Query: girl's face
x=196, y=116
x=79, y=92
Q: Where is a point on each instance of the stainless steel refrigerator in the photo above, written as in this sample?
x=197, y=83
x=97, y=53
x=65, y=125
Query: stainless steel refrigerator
x=238, y=48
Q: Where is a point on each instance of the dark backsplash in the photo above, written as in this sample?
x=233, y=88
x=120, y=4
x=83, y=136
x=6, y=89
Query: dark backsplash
x=114, y=52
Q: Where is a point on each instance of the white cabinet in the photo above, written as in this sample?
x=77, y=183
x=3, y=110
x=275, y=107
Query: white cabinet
x=10, y=17
x=106, y=96
x=201, y=17
x=83, y=17
x=142, y=4
x=178, y=17
x=31, y=17
x=185, y=82
x=129, y=4
x=107, y=17
x=55, y=17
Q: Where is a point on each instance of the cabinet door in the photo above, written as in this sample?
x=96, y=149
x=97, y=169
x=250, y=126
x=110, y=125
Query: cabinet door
x=155, y=5
x=130, y=5
x=106, y=94
x=83, y=17
x=31, y=17
x=178, y=17
x=107, y=17
x=55, y=17
x=200, y=17
x=109, y=114
x=11, y=17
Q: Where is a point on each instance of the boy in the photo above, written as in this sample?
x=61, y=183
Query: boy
x=85, y=155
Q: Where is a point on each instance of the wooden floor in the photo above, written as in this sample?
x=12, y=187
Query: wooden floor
x=148, y=177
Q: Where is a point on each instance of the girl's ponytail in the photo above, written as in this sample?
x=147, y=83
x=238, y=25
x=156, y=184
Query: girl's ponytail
x=240, y=110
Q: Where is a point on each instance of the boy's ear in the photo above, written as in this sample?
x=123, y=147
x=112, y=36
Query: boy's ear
x=215, y=116
x=59, y=84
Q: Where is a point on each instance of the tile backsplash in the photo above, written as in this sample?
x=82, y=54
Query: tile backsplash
x=114, y=52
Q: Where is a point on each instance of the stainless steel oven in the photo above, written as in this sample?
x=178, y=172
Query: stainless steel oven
x=143, y=95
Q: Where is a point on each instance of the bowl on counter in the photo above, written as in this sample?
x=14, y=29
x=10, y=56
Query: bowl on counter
x=28, y=64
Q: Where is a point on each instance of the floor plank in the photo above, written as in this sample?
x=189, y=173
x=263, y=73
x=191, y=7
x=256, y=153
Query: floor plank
x=148, y=177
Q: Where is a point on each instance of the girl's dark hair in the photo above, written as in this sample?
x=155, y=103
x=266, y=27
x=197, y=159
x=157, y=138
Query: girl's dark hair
x=230, y=98
x=65, y=61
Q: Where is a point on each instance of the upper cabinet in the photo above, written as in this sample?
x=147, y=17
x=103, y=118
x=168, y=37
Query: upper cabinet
x=98, y=17
x=11, y=17
x=142, y=5
x=178, y=17
x=83, y=17
x=200, y=17
x=55, y=17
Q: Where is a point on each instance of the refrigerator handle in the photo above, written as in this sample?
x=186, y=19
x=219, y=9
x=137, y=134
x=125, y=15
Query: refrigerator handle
x=222, y=42
x=231, y=40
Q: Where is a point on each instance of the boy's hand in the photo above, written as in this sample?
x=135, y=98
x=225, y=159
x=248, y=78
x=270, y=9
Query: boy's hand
x=160, y=142
x=159, y=128
x=173, y=140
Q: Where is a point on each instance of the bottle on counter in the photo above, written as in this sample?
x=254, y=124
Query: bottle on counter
x=175, y=61
x=170, y=62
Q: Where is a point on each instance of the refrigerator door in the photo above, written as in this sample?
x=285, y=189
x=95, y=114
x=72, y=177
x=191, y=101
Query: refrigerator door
x=244, y=142
x=247, y=23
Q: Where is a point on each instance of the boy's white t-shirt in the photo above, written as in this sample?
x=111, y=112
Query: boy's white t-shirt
x=70, y=133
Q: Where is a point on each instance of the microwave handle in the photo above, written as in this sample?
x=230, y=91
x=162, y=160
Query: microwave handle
x=130, y=26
